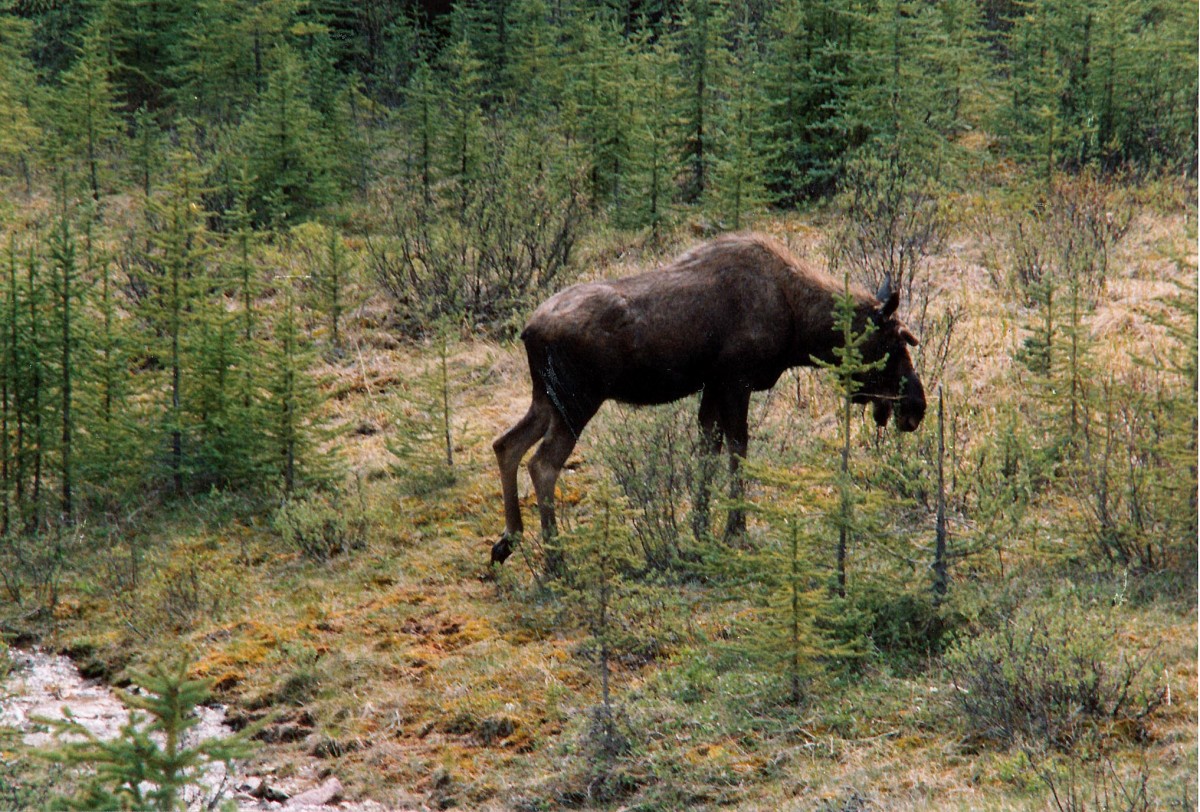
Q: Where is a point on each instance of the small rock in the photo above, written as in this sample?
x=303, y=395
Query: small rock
x=258, y=788
x=329, y=792
x=275, y=795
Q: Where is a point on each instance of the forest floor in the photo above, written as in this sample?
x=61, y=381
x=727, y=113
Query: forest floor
x=419, y=679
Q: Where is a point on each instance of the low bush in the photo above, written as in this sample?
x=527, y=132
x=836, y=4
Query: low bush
x=906, y=626
x=1050, y=674
x=654, y=457
x=322, y=526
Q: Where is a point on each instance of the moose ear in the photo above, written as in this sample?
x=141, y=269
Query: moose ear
x=890, y=298
x=889, y=306
x=885, y=290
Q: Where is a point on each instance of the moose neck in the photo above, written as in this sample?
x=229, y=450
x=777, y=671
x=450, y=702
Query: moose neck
x=816, y=333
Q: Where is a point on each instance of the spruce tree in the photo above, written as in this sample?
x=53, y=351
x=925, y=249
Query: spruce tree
x=222, y=58
x=655, y=133
x=65, y=288
x=789, y=619
x=534, y=71
x=112, y=451
x=421, y=116
x=604, y=597
x=848, y=366
x=293, y=426
x=739, y=138
x=940, y=567
x=1174, y=434
x=150, y=764
x=602, y=107
x=139, y=35
x=460, y=148
x=899, y=102
x=286, y=147
x=10, y=395
x=424, y=421
x=177, y=250
x=87, y=126
x=808, y=75
x=147, y=150
x=1144, y=83
x=791, y=609
x=19, y=91
x=32, y=428
x=1038, y=80
x=704, y=58
x=331, y=277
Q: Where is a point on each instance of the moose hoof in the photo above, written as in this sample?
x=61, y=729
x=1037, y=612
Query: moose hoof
x=502, y=549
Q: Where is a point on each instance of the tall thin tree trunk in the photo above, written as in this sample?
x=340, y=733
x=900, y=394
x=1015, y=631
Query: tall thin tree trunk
x=34, y=519
x=844, y=507
x=176, y=378
x=18, y=384
x=941, y=578
x=67, y=262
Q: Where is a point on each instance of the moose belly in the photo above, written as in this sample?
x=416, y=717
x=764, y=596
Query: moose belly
x=646, y=387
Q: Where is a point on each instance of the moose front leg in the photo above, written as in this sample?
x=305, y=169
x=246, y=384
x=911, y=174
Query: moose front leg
x=710, y=447
x=734, y=421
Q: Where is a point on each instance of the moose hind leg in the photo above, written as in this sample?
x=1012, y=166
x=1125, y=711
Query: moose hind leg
x=544, y=468
x=510, y=448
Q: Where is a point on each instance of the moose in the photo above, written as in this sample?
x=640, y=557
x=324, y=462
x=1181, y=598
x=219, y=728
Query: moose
x=725, y=319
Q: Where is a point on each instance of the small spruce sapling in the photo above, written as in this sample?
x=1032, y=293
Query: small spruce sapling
x=152, y=763
x=424, y=433
x=293, y=399
x=790, y=626
x=848, y=366
x=65, y=280
x=600, y=555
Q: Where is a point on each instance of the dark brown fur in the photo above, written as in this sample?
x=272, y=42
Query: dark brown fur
x=725, y=319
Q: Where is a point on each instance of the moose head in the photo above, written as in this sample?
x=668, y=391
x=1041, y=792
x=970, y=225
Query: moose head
x=894, y=388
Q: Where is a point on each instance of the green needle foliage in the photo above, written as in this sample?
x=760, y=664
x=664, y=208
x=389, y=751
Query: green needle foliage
x=292, y=427
x=790, y=626
x=423, y=423
x=848, y=366
x=153, y=763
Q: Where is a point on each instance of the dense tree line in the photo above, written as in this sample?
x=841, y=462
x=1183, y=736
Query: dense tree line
x=672, y=101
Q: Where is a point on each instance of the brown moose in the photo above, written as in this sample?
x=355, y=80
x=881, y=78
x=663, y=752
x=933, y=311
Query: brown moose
x=725, y=319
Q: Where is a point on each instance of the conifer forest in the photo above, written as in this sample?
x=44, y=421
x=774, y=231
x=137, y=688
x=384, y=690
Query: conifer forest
x=264, y=268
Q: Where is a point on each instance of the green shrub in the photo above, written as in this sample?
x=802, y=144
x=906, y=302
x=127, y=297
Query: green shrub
x=322, y=526
x=1050, y=674
x=301, y=676
x=654, y=457
x=904, y=625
